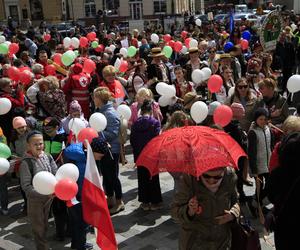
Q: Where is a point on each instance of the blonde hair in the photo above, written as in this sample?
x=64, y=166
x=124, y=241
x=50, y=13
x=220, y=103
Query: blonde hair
x=267, y=82
x=109, y=70
x=103, y=93
x=291, y=124
x=144, y=94
x=52, y=82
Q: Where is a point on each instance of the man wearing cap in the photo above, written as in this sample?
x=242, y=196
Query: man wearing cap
x=157, y=71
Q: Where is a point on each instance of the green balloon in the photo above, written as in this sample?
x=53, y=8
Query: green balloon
x=76, y=52
x=131, y=51
x=3, y=48
x=4, y=151
x=168, y=51
x=95, y=44
x=68, y=58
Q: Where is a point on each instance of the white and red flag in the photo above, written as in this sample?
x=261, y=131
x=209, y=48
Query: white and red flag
x=94, y=205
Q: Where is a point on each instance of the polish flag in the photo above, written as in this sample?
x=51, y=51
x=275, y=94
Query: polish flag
x=94, y=205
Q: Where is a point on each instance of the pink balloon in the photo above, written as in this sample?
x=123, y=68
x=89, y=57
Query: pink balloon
x=187, y=42
x=215, y=83
x=178, y=46
x=25, y=77
x=83, y=41
x=13, y=48
x=87, y=134
x=184, y=34
x=47, y=37
x=167, y=38
x=57, y=58
x=124, y=66
x=100, y=48
x=244, y=44
x=13, y=73
x=223, y=115
x=91, y=36
x=89, y=66
x=50, y=70
x=66, y=189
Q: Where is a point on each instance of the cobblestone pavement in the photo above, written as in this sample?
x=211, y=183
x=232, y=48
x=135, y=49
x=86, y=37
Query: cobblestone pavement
x=135, y=229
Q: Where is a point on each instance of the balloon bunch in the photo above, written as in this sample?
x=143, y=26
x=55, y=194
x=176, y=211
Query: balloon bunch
x=7, y=47
x=201, y=75
x=130, y=52
x=168, y=94
x=5, y=153
x=23, y=75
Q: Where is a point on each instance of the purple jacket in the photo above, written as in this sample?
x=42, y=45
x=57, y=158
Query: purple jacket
x=142, y=131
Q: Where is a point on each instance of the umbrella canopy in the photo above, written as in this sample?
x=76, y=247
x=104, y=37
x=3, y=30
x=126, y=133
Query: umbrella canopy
x=191, y=149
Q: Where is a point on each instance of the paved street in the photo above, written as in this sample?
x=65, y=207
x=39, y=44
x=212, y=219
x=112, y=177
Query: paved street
x=135, y=229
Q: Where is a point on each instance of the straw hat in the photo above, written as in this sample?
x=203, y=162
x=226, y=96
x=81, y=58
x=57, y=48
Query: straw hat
x=156, y=52
x=190, y=98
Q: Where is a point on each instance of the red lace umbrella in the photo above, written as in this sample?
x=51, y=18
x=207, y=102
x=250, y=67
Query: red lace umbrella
x=192, y=150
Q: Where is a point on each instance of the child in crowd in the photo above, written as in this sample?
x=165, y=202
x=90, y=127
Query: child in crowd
x=38, y=205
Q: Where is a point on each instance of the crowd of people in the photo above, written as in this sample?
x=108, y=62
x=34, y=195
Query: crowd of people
x=265, y=122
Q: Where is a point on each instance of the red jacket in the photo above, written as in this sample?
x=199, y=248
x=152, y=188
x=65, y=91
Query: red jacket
x=76, y=87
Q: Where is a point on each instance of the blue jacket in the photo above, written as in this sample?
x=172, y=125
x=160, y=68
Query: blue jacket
x=74, y=153
x=111, y=132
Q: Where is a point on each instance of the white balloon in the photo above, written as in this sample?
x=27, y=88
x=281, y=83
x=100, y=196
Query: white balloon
x=75, y=125
x=206, y=73
x=165, y=89
x=75, y=42
x=4, y=166
x=231, y=91
x=184, y=50
x=124, y=111
x=5, y=105
x=293, y=26
x=199, y=111
x=2, y=39
x=44, y=183
x=68, y=170
x=193, y=43
x=67, y=42
x=117, y=63
x=112, y=47
x=293, y=84
x=165, y=101
x=139, y=43
x=8, y=43
x=197, y=76
x=198, y=22
x=154, y=38
x=123, y=51
x=171, y=91
x=98, y=121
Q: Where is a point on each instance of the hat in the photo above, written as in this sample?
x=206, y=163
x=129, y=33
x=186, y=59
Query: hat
x=19, y=122
x=75, y=107
x=50, y=122
x=99, y=145
x=237, y=110
x=193, y=50
x=189, y=99
x=225, y=56
x=212, y=107
x=259, y=112
x=156, y=52
x=77, y=68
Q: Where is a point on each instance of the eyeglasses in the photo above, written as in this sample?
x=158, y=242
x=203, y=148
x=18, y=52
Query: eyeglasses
x=217, y=177
x=242, y=86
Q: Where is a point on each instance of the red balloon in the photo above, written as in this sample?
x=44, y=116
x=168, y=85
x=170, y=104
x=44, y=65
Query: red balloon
x=244, y=44
x=13, y=48
x=66, y=189
x=50, y=70
x=47, y=37
x=171, y=44
x=13, y=73
x=100, y=48
x=167, y=38
x=87, y=134
x=223, y=115
x=178, y=46
x=25, y=77
x=215, y=83
x=83, y=41
x=24, y=68
x=91, y=36
x=187, y=42
x=124, y=66
x=89, y=66
x=57, y=58
x=184, y=34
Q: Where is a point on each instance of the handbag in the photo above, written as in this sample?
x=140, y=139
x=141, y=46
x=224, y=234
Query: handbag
x=244, y=236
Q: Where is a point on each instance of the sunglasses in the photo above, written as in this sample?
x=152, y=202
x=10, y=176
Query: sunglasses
x=217, y=177
x=242, y=86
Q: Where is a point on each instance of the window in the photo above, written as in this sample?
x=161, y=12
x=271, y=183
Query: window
x=90, y=8
x=160, y=6
x=112, y=7
x=136, y=9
